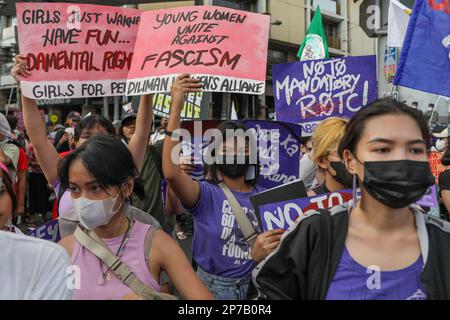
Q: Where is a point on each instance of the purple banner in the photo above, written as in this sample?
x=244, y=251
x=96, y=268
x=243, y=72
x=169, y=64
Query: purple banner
x=48, y=231
x=283, y=214
x=430, y=198
x=310, y=91
x=278, y=150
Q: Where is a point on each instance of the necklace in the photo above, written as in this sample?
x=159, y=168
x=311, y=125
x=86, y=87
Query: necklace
x=107, y=274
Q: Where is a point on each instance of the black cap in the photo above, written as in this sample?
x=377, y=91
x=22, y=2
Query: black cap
x=127, y=117
x=74, y=115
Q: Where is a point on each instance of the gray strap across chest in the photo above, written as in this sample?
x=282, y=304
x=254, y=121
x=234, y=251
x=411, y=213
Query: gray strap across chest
x=93, y=243
x=244, y=223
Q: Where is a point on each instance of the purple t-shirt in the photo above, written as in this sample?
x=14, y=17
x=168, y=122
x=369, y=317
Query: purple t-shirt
x=218, y=246
x=353, y=281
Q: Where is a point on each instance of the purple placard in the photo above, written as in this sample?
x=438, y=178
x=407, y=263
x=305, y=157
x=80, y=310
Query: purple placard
x=279, y=151
x=278, y=148
x=310, y=91
x=283, y=214
x=47, y=231
x=430, y=199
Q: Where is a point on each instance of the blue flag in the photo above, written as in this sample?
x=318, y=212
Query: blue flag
x=425, y=59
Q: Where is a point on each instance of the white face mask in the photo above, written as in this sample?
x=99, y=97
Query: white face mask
x=441, y=144
x=95, y=213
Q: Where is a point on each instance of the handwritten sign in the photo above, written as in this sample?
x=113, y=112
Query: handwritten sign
x=48, y=231
x=191, y=109
x=281, y=215
x=310, y=91
x=226, y=49
x=278, y=150
x=76, y=50
x=82, y=50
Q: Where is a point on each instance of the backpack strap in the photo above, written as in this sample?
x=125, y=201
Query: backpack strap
x=163, y=278
x=94, y=244
x=148, y=243
x=244, y=223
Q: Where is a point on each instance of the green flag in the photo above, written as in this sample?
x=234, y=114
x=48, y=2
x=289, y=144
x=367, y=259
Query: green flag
x=315, y=45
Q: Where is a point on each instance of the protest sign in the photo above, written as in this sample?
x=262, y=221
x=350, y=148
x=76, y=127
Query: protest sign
x=434, y=158
x=191, y=109
x=225, y=48
x=48, y=231
x=277, y=142
x=76, y=50
x=310, y=91
x=83, y=50
x=283, y=214
x=278, y=150
x=430, y=198
x=284, y=192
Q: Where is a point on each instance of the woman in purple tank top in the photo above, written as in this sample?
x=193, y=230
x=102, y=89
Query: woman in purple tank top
x=100, y=176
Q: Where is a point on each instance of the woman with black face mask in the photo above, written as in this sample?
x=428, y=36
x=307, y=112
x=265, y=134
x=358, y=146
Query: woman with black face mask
x=332, y=174
x=380, y=247
x=225, y=257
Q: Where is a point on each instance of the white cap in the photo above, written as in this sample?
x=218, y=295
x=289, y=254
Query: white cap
x=70, y=131
x=442, y=134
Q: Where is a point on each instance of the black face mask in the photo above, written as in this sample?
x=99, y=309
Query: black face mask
x=397, y=184
x=235, y=169
x=342, y=175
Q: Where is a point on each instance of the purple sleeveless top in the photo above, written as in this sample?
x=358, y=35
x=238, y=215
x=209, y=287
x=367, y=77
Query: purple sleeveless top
x=113, y=289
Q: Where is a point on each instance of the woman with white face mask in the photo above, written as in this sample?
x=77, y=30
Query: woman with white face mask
x=101, y=178
x=46, y=153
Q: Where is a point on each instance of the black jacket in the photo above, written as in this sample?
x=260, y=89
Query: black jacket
x=304, y=264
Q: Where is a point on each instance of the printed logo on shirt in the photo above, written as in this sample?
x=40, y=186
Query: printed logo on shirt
x=418, y=295
x=374, y=280
x=234, y=243
x=73, y=280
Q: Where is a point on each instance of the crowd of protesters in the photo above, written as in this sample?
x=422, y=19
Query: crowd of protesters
x=123, y=234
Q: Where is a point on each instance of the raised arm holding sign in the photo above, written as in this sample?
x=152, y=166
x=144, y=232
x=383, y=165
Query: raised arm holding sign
x=46, y=153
